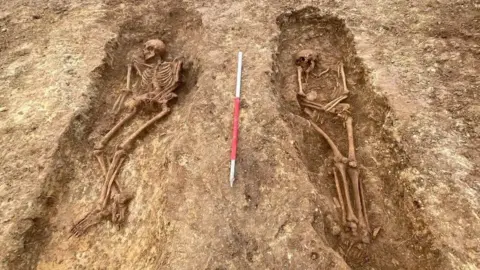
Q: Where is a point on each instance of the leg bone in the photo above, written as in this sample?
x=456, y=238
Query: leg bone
x=101, y=160
x=105, y=193
x=104, y=166
x=352, y=219
x=120, y=153
x=340, y=161
x=354, y=177
x=111, y=133
x=352, y=160
x=117, y=162
x=127, y=143
x=339, y=195
x=365, y=215
x=337, y=156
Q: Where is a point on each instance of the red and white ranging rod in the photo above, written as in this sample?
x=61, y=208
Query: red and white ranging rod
x=236, y=115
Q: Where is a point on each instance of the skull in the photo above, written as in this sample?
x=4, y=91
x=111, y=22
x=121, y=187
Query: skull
x=305, y=58
x=152, y=48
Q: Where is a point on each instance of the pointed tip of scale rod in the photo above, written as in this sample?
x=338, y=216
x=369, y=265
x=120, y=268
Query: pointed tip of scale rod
x=231, y=182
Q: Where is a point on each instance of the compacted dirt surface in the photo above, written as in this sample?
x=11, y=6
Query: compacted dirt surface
x=412, y=71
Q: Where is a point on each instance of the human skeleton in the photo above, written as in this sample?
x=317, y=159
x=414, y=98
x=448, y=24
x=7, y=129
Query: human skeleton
x=158, y=81
x=354, y=216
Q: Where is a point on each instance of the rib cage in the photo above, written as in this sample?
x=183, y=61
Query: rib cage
x=164, y=80
x=146, y=78
x=159, y=79
x=326, y=91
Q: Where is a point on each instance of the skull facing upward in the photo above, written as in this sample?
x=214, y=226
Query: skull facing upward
x=152, y=48
x=306, y=59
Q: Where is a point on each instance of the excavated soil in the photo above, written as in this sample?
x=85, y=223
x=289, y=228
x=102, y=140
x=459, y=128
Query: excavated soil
x=412, y=72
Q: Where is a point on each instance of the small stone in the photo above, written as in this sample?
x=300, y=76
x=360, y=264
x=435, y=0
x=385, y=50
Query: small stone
x=312, y=95
x=366, y=239
x=3, y=109
x=375, y=232
x=336, y=230
x=4, y=30
x=444, y=57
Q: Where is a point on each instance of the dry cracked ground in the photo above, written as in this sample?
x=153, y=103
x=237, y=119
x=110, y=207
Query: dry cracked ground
x=412, y=70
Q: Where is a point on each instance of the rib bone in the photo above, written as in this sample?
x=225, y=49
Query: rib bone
x=321, y=73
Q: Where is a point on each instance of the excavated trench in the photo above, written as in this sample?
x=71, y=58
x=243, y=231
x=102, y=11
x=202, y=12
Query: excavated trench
x=401, y=241
x=75, y=179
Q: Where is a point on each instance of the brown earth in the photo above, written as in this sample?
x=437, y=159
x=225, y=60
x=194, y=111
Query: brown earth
x=412, y=69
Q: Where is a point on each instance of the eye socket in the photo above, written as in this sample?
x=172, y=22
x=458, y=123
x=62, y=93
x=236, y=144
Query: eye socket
x=300, y=60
